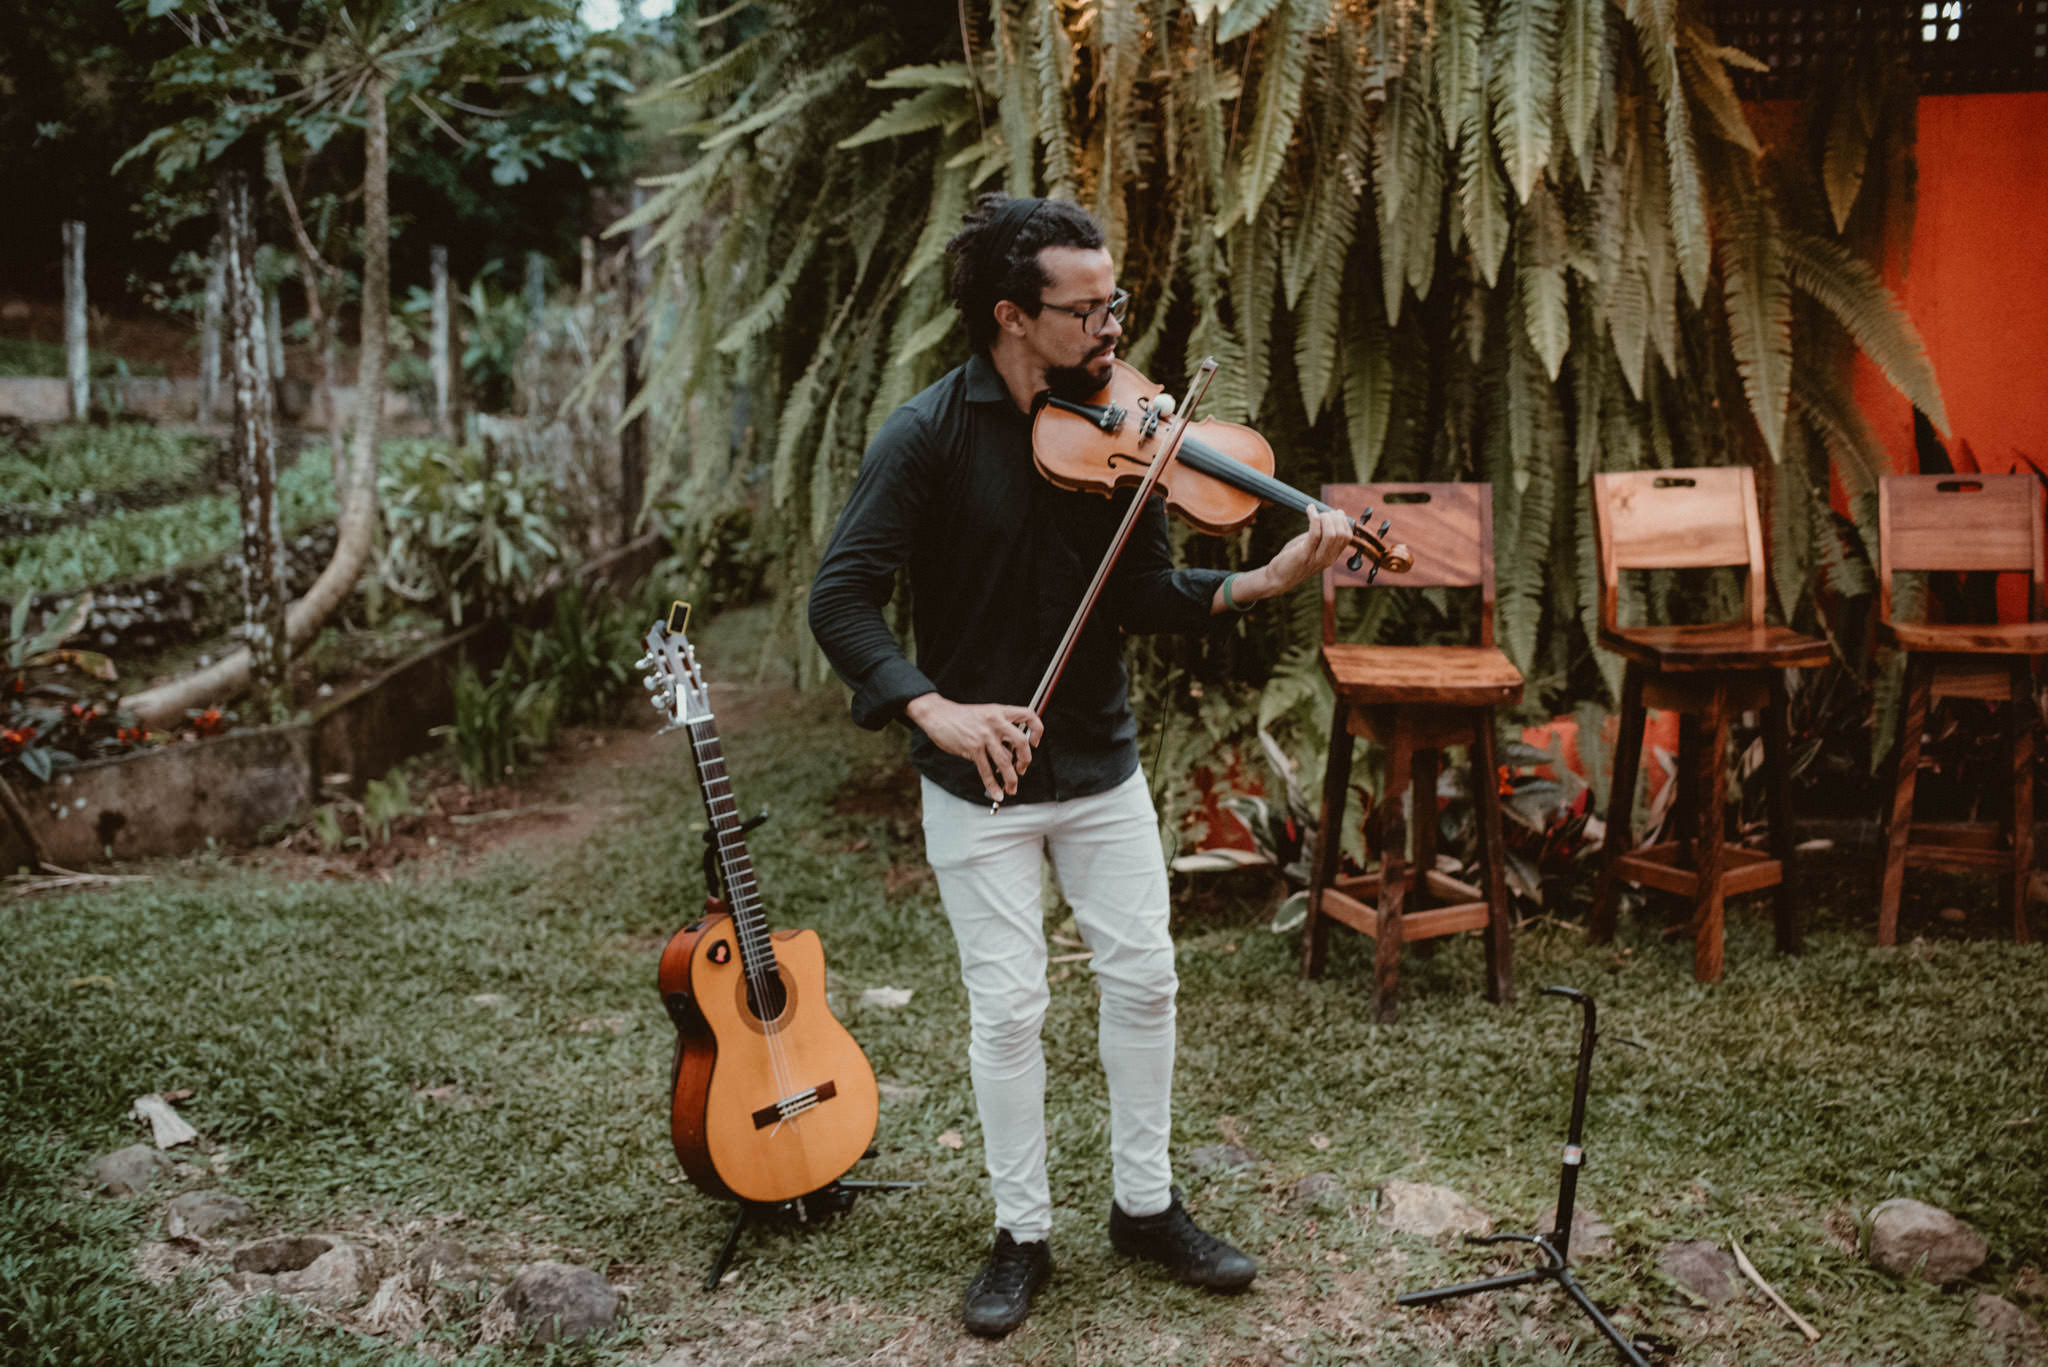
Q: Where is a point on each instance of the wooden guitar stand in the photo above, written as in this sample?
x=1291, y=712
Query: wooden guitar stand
x=1556, y=1245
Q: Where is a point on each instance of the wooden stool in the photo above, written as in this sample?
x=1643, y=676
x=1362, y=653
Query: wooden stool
x=1695, y=519
x=1415, y=700
x=1951, y=523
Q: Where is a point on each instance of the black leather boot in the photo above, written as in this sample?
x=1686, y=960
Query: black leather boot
x=1174, y=1241
x=1000, y=1295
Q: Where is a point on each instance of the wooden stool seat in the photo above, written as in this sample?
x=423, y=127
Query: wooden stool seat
x=1718, y=646
x=1695, y=519
x=1415, y=701
x=1455, y=676
x=1920, y=518
x=1966, y=638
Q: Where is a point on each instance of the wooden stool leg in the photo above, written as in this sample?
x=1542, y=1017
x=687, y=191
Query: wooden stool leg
x=1500, y=971
x=1621, y=802
x=1386, y=975
x=1777, y=780
x=1906, y=771
x=1710, y=758
x=1315, y=931
x=2019, y=721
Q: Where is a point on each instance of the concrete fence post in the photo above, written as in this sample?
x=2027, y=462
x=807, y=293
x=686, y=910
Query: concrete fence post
x=77, y=358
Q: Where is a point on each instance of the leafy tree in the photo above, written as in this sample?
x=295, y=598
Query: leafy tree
x=298, y=76
x=1514, y=240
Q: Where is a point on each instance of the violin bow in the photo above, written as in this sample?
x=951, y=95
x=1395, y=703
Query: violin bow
x=1050, y=680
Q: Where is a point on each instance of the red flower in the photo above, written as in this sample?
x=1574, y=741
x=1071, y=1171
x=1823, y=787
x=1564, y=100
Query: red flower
x=1504, y=783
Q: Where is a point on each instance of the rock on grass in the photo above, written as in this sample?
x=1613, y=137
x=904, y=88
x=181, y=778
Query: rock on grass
x=1909, y=1238
x=551, y=1302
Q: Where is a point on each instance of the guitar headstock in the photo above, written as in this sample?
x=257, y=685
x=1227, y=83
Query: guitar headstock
x=672, y=677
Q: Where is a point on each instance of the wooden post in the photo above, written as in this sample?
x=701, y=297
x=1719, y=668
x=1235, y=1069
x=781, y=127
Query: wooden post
x=442, y=345
x=209, y=337
x=633, y=437
x=77, y=359
x=586, y=286
x=263, y=584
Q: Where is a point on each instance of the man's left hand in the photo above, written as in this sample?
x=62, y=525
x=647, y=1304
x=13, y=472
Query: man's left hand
x=1327, y=540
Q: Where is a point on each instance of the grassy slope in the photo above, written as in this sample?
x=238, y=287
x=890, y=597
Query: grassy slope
x=311, y=1020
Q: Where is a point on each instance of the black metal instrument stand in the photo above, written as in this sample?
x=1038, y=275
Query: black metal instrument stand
x=1555, y=1246
x=822, y=1206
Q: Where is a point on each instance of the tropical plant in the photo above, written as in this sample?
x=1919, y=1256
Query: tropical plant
x=461, y=535
x=499, y=724
x=1514, y=240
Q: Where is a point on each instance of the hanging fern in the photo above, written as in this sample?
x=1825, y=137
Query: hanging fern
x=1506, y=239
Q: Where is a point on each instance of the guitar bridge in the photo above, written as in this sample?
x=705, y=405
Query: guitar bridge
x=792, y=1106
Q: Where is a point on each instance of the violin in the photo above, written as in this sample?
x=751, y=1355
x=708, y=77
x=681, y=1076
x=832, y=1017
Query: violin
x=1215, y=480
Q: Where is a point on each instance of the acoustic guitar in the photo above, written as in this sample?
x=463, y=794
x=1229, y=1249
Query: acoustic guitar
x=773, y=1099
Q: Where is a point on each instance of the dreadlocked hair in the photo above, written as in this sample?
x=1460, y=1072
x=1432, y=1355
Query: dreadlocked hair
x=986, y=271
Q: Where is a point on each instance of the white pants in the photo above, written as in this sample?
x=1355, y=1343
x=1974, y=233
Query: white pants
x=1105, y=851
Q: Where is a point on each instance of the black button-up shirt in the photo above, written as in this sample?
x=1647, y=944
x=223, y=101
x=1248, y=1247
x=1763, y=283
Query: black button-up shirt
x=999, y=559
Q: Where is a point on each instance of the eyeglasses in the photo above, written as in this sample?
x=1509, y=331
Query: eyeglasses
x=1094, y=320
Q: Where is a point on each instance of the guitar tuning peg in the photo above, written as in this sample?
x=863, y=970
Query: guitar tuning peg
x=644, y=662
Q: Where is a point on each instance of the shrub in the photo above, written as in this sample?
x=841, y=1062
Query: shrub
x=461, y=535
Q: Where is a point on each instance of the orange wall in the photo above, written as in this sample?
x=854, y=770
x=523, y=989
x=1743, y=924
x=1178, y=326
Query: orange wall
x=1977, y=282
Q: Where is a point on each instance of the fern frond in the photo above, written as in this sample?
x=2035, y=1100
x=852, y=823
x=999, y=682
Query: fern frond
x=1283, y=66
x=942, y=220
x=1539, y=276
x=1582, y=73
x=1323, y=243
x=1758, y=298
x=928, y=76
x=1240, y=17
x=1871, y=314
x=1368, y=360
x=1017, y=103
x=821, y=84
x=1481, y=190
x=1254, y=284
x=1052, y=59
x=1686, y=203
x=1791, y=524
x=1708, y=61
x=723, y=74
x=940, y=107
x=1847, y=153
x=1522, y=86
x=1459, y=62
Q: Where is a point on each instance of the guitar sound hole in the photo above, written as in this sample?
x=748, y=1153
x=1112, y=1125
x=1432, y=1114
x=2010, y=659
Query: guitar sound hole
x=767, y=1000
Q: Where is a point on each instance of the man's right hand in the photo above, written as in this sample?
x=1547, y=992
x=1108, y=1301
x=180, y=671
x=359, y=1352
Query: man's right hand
x=998, y=737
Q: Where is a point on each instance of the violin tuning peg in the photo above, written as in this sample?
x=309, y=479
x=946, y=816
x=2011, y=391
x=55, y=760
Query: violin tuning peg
x=1386, y=526
x=1372, y=574
x=1365, y=516
x=1356, y=562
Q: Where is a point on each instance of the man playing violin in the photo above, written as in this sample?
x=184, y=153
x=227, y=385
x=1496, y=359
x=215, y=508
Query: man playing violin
x=998, y=558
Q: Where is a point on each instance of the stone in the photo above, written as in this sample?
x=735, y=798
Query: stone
x=1912, y=1238
x=340, y=1277
x=2010, y=1336
x=442, y=1261
x=1702, y=1267
x=1429, y=1211
x=1220, y=1158
x=280, y=1253
x=1592, y=1237
x=1318, y=1189
x=200, y=1213
x=129, y=1171
x=552, y=1302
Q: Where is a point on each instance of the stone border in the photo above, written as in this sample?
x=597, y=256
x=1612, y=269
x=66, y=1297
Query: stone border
x=233, y=789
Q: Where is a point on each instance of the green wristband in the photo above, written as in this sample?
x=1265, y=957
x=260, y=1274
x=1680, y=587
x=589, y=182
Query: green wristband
x=1230, y=602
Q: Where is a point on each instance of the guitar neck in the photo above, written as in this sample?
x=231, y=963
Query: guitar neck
x=743, y=899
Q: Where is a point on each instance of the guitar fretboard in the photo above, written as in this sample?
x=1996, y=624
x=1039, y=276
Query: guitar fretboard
x=743, y=900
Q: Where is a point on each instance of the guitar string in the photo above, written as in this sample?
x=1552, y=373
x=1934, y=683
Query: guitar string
x=757, y=951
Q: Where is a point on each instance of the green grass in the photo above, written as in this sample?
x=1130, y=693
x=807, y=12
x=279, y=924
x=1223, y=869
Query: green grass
x=311, y=1020
x=124, y=544
x=19, y=357
x=74, y=458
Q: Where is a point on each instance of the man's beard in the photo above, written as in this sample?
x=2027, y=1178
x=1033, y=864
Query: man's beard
x=1078, y=383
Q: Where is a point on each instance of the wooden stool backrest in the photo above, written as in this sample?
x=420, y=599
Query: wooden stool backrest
x=1448, y=528
x=1959, y=522
x=1700, y=518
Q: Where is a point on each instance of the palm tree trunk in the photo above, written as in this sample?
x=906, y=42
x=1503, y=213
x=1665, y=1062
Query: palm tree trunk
x=166, y=704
